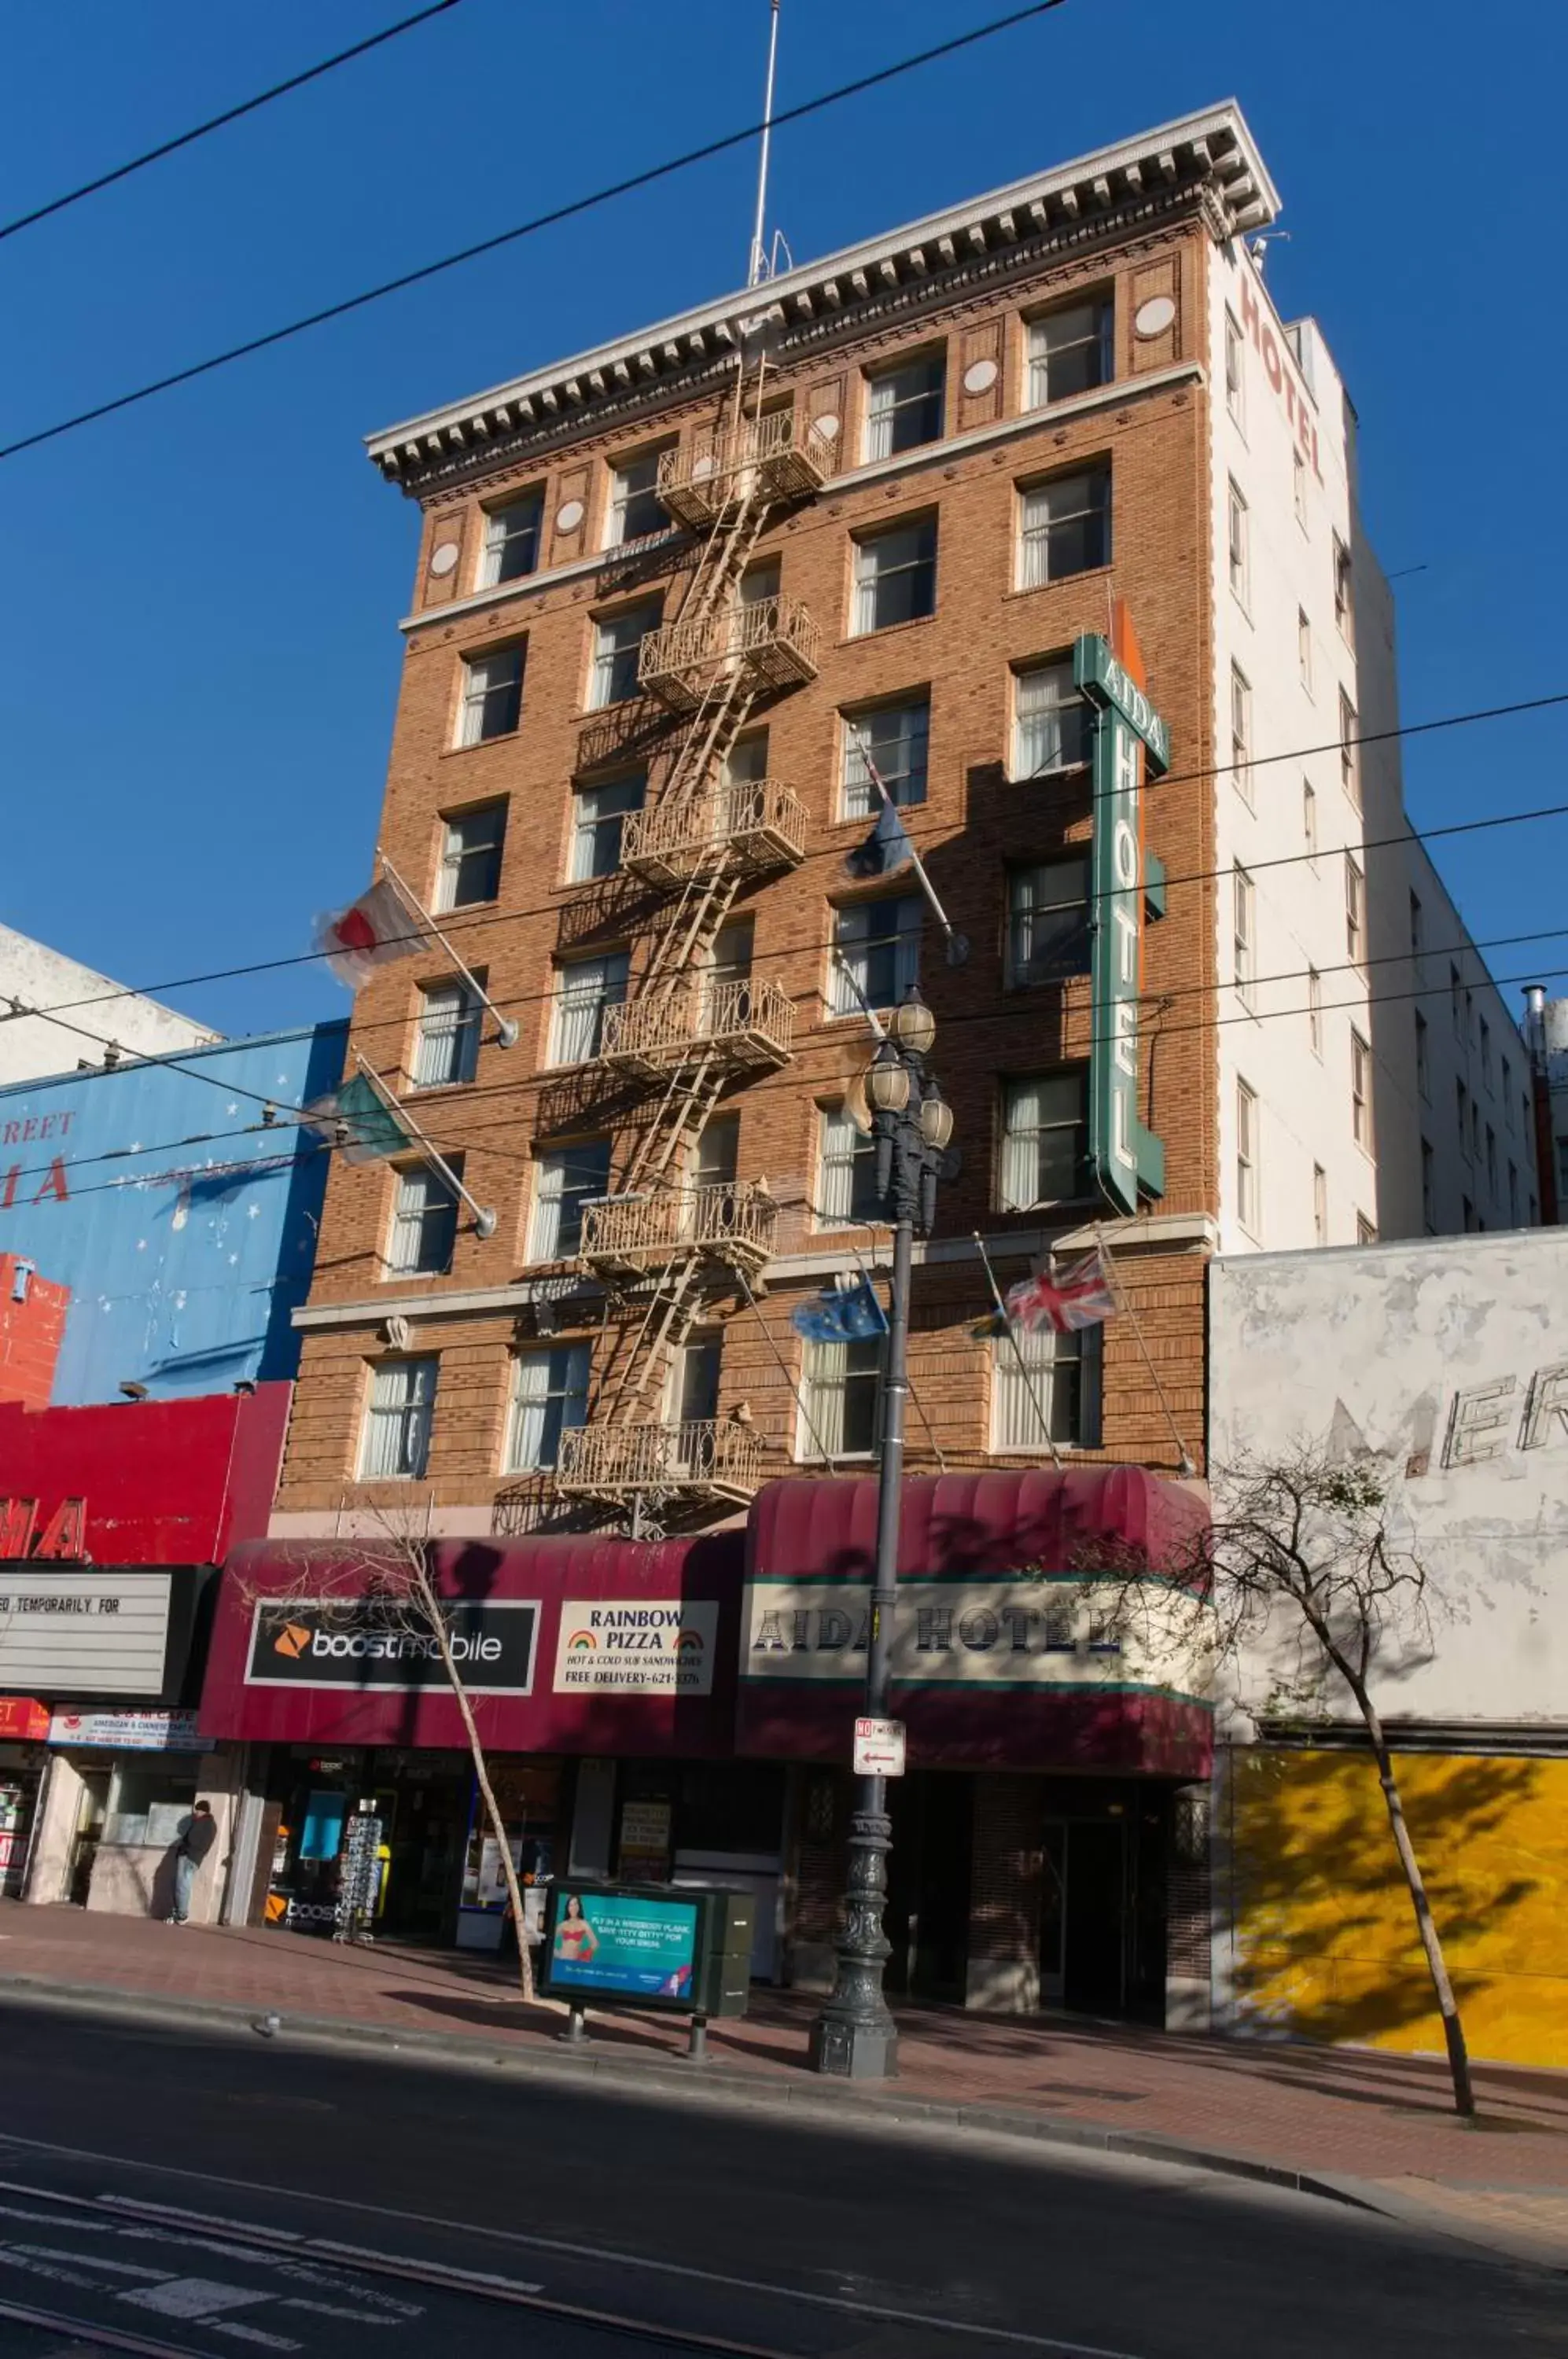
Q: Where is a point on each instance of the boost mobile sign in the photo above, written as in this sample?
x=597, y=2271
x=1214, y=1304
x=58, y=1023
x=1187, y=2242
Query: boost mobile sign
x=312, y=1641
x=1122, y=1154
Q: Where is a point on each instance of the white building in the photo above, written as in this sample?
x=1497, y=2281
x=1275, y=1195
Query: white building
x=98, y=1020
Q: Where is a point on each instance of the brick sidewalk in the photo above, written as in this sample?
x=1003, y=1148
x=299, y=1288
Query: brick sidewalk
x=1384, y=2120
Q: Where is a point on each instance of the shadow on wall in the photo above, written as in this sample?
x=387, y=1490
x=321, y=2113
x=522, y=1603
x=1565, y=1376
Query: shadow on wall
x=1326, y=1943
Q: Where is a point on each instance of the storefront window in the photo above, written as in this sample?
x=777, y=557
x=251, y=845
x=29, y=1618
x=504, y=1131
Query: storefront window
x=149, y=1803
x=527, y=1795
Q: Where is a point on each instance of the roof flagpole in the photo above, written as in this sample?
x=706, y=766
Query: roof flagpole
x=757, y=268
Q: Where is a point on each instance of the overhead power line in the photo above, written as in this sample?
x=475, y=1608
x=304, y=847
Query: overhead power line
x=557, y=214
x=216, y=122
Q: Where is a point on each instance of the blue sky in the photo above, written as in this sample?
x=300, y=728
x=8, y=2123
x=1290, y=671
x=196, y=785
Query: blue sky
x=198, y=650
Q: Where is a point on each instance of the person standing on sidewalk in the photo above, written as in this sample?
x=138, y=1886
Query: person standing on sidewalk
x=199, y=1834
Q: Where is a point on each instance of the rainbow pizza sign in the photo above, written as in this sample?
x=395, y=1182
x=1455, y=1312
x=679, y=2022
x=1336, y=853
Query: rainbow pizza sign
x=637, y=1645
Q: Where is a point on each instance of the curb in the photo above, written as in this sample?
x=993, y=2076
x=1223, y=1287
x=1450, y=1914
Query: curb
x=625, y=2071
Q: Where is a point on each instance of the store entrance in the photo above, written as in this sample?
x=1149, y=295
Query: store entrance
x=1102, y=1923
x=927, y=1918
x=420, y=1802
x=91, y=1809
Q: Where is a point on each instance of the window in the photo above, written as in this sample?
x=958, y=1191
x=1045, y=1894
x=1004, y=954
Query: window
x=635, y=508
x=760, y=582
x=1235, y=543
x=1343, y=609
x=565, y=1180
x=446, y=1047
x=1429, y=1188
x=1052, y=723
x=746, y=764
x=511, y=541
x=1360, y=1092
x=1467, y=1214
x=1513, y=1195
x=1354, y=911
x=1304, y=649
x=895, y=735
x=1042, y=1389
x=1246, y=1188
x=1457, y=1002
x=1241, y=733
x=617, y=642
x=894, y=577
x=1309, y=820
x=471, y=858
x=396, y=1442
x=879, y=942
x=846, y=1172
x=1243, y=900
x=583, y=989
x=1366, y=1230
x=1299, y=487
x=1462, y=1108
x=1505, y=1091
x=1043, y=1141
x=718, y=1152
x=424, y=1223
x=1048, y=922
x=1349, y=750
x=841, y=1389
x=1485, y=1037
x=492, y=695
x=1475, y=1131
x=1069, y=351
x=1235, y=380
x=904, y=406
x=1423, y=1058
x=1319, y=1205
x=549, y=1393
x=597, y=817
x=1491, y=1162
x=1314, y=1010
x=691, y=1392
x=1064, y=528
x=1418, y=926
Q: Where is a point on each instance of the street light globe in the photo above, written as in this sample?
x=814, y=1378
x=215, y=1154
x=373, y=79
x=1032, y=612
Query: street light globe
x=936, y=1120
x=912, y=1024
x=887, y=1082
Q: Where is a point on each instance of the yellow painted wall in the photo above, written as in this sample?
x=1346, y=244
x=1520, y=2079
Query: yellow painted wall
x=1326, y=1942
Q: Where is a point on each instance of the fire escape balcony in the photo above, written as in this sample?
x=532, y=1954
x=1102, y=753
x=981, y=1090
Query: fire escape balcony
x=703, y=1459
x=756, y=823
x=732, y=1222
x=735, y=1027
x=761, y=643
x=718, y=473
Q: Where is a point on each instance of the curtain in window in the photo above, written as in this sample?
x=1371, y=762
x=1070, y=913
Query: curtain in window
x=586, y=988
x=835, y=1178
x=1041, y=1142
x=1065, y=528
x=879, y=944
x=1032, y=1406
x=424, y=1224
x=397, y=1424
x=897, y=736
x=826, y=1368
x=549, y=1393
x=447, y=1049
x=1050, y=722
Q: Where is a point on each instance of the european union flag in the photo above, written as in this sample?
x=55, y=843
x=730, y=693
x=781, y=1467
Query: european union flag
x=841, y=1315
x=885, y=851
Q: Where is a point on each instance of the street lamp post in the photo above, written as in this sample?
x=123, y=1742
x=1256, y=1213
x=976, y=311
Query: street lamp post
x=854, y=2036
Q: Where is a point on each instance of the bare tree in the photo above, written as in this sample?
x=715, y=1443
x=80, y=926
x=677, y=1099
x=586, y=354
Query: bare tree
x=387, y=1583
x=1301, y=1551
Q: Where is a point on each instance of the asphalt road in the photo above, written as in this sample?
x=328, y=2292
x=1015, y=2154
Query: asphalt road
x=183, y=2191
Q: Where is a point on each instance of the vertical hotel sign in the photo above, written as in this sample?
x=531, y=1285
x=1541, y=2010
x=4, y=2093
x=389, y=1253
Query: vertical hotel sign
x=1123, y=1155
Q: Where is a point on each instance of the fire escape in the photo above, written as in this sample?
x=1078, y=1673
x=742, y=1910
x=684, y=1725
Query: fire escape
x=669, y=1250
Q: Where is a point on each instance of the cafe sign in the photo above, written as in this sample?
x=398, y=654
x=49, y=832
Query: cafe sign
x=637, y=1645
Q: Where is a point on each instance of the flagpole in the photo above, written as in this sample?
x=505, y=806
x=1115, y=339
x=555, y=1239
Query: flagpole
x=1184, y=1462
x=800, y=1397
x=878, y=1029
x=1024, y=1369
x=505, y=1030
x=484, y=1218
x=957, y=943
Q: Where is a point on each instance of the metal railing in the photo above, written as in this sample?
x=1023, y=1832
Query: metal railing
x=711, y=1455
x=766, y=643
x=718, y=470
x=730, y=1221
x=743, y=1023
x=761, y=821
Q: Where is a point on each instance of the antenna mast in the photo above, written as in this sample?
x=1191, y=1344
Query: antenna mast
x=756, y=270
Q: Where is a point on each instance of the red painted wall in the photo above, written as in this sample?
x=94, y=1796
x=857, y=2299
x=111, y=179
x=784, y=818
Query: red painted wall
x=177, y=1482
x=32, y=1327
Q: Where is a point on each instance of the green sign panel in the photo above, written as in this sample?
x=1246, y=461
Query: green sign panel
x=1124, y=1157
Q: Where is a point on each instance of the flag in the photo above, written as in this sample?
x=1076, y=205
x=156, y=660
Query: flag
x=358, y=1118
x=841, y=1315
x=377, y=928
x=886, y=850
x=1080, y=1297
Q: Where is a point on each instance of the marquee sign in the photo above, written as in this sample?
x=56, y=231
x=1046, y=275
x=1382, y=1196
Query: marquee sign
x=1123, y=1157
x=65, y=1632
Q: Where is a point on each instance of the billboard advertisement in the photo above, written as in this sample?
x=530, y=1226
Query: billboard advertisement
x=157, y=1222
x=624, y=1945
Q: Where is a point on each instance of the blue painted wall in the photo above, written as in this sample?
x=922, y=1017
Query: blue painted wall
x=184, y=1226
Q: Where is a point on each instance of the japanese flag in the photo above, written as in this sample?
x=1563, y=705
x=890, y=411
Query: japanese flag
x=372, y=932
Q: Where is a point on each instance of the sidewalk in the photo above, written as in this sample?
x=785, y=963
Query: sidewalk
x=1376, y=2128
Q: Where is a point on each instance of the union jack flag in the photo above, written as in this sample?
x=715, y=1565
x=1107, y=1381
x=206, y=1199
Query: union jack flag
x=1080, y=1296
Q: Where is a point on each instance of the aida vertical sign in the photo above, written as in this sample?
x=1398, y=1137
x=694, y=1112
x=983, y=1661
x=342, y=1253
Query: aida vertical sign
x=1128, y=732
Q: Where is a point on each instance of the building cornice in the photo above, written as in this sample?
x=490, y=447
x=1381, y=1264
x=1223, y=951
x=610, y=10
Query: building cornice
x=1209, y=159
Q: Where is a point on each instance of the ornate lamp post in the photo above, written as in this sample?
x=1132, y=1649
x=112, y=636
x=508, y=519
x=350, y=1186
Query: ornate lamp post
x=854, y=2035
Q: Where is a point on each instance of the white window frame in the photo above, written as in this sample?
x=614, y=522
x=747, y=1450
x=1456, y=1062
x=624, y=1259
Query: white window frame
x=1052, y=724
x=1098, y=339
x=1361, y=1091
x=1241, y=734
x=1238, y=552
x=1248, y=1161
x=898, y=736
x=1299, y=487
x=1349, y=750
x=826, y=1372
x=422, y=1230
x=584, y=987
x=396, y=1422
x=1310, y=822
x=560, y=1187
x=1304, y=649
x=1235, y=371
x=871, y=574
x=547, y=1396
x=456, y=848
x=610, y=649
x=910, y=386
x=1355, y=910
x=634, y=477
x=1314, y=1010
x=1039, y=525
x=1319, y=1205
x=519, y=519
x=498, y=673
x=1021, y=1155
x=865, y=930
x=598, y=813
x=1244, y=942
x=446, y=1039
x=1343, y=589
